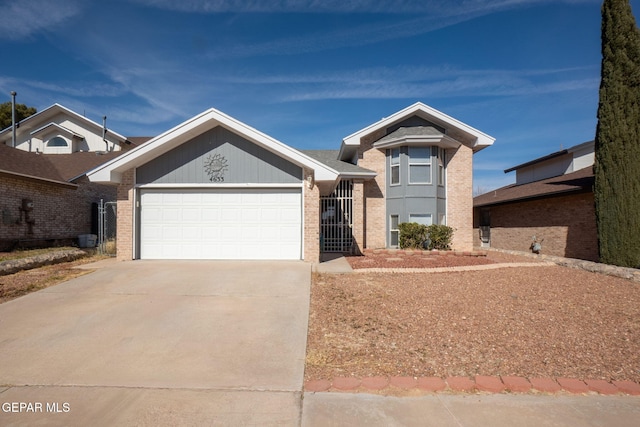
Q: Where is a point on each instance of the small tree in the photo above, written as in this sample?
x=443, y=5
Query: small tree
x=22, y=112
x=617, y=142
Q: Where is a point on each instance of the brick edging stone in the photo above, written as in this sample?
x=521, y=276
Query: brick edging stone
x=478, y=384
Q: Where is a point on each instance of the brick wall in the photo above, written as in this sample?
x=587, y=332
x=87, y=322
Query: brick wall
x=375, y=207
x=460, y=196
x=567, y=224
x=311, y=195
x=358, y=216
x=60, y=212
x=124, y=244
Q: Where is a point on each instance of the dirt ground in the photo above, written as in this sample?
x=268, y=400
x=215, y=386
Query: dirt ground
x=16, y=285
x=542, y=321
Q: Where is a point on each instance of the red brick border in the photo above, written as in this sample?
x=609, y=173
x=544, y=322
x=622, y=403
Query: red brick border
x=487, y=384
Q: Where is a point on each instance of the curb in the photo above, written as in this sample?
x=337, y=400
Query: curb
x=478, y=384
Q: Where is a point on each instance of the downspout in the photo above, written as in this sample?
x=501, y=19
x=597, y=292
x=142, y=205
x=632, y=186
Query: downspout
x=13, y=119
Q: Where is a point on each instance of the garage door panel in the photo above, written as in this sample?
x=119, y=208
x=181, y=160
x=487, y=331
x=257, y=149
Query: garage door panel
x=171, y=215
x=290, y=215
x=191, y=214
x=221, y=224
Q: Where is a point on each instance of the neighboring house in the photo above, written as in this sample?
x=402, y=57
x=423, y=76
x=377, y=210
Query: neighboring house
x=58, y=130
x=45, y=196
x=552, y=200
x=215, y=188
x=46, y=199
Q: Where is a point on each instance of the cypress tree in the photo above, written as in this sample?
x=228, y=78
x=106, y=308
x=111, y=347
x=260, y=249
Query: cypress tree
x=617, y=142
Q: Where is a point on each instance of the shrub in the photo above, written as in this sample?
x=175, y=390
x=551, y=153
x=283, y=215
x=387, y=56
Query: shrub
x=419, y=236
x=439, y=237
x=412, y=235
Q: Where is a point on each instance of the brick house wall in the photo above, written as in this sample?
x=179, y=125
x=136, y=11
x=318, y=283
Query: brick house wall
x=358, y=216
x=311, y=204
x=375, y=206
x=60, y=212
x=567, y=224
x=125, y=199
x=459, y=169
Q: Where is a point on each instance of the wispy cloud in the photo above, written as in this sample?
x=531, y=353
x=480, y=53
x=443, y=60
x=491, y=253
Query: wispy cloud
x=413, y=18
x=439, y=7
x=422, y=82
x=20, y=19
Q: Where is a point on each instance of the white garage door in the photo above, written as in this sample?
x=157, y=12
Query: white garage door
x=221, y=224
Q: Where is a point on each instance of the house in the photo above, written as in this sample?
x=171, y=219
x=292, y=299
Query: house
x=59, y=130
x=45, y=195
x=46, y=199
x=216, y=188
x=552, y=199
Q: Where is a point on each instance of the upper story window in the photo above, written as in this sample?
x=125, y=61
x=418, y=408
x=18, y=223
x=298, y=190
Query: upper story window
x=57, y=141
x=419, y=165
x=395, y=166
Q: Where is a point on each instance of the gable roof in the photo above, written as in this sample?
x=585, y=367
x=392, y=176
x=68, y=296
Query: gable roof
x=574, y=182
x=456, y=130
x=111, y=172
x=44, y=117
x=59, y=169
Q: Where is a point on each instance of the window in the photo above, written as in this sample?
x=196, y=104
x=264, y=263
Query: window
x=394, y=232
x=57, y=141
x=419, y=165
x=395, y=166
x=441, y=153
x=424, y=219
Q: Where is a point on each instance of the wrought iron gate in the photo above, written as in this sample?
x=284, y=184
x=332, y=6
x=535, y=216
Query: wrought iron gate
x=336, y=219
x=107, y=215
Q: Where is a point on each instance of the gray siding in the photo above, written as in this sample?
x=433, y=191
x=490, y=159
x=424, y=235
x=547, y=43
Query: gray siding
x=406, y=199
x=245, y=162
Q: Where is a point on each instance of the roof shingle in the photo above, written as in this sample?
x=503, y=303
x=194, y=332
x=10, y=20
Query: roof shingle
x=578, y=181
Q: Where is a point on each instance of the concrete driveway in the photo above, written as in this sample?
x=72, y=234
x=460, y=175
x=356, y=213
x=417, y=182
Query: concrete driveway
x=159, y=343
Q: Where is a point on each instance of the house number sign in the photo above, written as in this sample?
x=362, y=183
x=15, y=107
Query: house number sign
x=216, y=165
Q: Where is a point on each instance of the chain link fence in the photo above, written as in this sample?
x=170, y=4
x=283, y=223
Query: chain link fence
x=107, y=215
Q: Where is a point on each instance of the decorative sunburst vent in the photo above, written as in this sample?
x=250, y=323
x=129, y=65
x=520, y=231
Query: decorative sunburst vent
x=216, y=165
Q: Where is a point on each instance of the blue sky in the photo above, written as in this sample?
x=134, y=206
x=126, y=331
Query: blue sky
x=310, y=72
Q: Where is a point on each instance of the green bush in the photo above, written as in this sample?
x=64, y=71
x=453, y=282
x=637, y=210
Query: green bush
x=412, y=235
x=418, y=236
x=439, y=237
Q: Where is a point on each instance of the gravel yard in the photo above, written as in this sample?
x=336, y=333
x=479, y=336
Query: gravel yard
x=542, y=321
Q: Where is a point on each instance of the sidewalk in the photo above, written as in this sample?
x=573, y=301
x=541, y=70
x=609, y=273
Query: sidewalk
x=469, y=410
